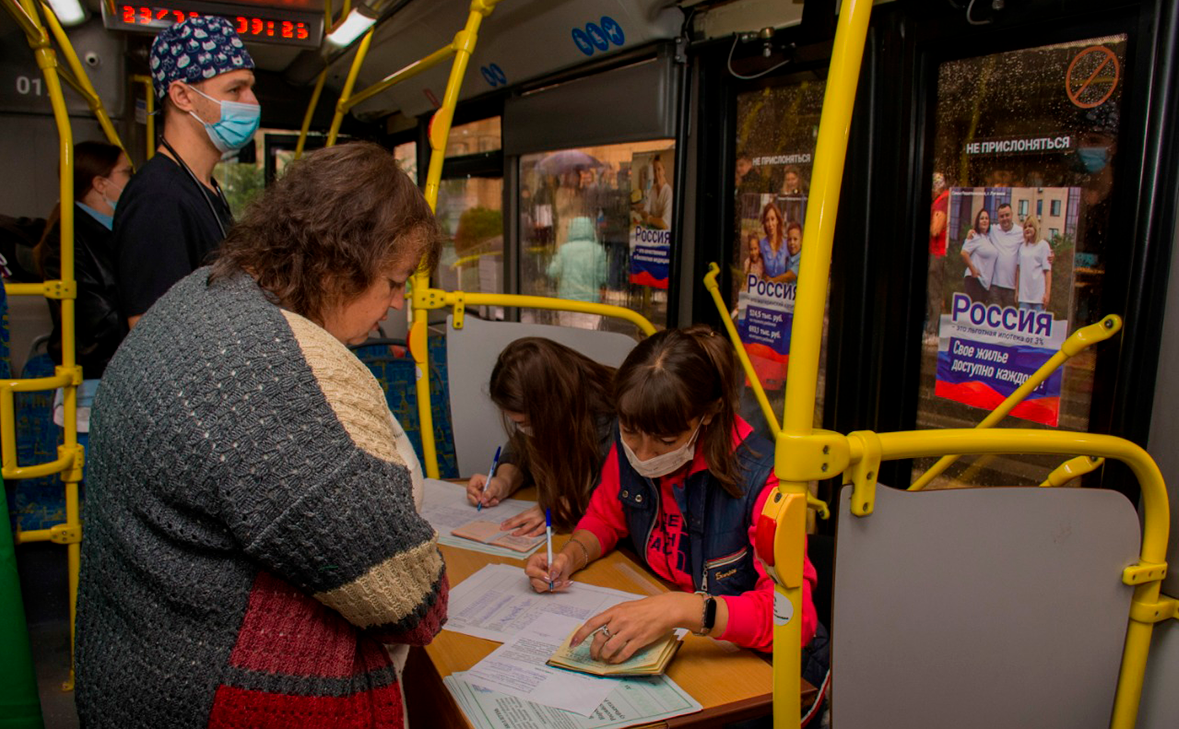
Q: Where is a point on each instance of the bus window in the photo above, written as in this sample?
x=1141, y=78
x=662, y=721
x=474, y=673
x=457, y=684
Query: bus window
x=776, y=131
x=470, y=211
x=595, y=225
x=1025, y=145
x=406, y=155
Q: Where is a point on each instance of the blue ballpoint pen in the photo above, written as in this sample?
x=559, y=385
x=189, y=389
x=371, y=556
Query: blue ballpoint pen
x=490, y=473
x=548, y=536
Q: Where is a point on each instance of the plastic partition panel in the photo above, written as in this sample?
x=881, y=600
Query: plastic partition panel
x=981, y=608
x=630, y=104
x=470, y=356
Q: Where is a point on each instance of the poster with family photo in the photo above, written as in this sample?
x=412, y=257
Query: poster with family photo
x=1006, y=295
x=650, y=218
x=771, y=245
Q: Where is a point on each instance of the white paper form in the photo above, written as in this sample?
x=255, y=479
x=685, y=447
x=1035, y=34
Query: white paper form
x=445, y=507
x=517, y=668
x=497, y=602
x=633, y=701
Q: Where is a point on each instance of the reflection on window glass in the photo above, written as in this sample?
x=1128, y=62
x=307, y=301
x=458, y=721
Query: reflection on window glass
x=470, y=213
x=776, y=133
x=595, y=225
x=407, y=158
x=1007, y=285
x=474, y=138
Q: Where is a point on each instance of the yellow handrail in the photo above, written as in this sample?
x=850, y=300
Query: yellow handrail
x=150, y=111
x=357, y=62
x=788, y=508
x=310, y=111
x=713, y=288
x=69, y=375
x=328, y=24
x=1076, y=343
x=79, y=74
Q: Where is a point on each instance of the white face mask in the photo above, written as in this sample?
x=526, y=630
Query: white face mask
x=669, y=462
x=525, y=429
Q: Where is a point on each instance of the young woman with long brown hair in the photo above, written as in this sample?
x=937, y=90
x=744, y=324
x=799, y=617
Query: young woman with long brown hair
x=684, y=481
x=558, y=410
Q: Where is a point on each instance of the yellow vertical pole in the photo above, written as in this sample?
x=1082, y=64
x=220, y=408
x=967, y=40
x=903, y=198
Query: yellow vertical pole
x=92, y=98
x=310, y=112
x=805, y=342
x=150, y=109
x=342, y=104
x=464, y=44
x=47, y=62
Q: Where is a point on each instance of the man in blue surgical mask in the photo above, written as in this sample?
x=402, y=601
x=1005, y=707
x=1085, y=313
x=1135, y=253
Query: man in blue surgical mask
x=172, y=216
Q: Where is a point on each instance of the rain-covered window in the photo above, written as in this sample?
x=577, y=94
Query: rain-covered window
x=1024, y=153
x=595, y=226
x=777, y=129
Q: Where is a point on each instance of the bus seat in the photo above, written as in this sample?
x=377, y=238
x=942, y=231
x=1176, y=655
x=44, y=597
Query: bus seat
x=37, y=503
x=981, y=607
x=471, y=355
x=394, y=369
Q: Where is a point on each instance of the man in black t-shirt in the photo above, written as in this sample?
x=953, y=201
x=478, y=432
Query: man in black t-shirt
x=172, y=215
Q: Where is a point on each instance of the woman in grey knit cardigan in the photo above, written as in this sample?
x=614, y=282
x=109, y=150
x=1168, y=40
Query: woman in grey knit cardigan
x=253, y=552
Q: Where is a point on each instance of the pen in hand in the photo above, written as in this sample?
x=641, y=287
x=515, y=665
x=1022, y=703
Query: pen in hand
x=490, y=473
x=548, y=536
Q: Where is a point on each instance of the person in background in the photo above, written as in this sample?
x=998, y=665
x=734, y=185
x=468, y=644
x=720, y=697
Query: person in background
x=1007, y=237
x=657, y=211
x=1033, y=277
x=794, y=249
x=559, y=414
x=683, y=486
x=579, y=268
x=174, y=213
x=774, y=254
x=754, y=265
x=254, y=554
x=938, y=215
x=979, y=254
x=101, y=171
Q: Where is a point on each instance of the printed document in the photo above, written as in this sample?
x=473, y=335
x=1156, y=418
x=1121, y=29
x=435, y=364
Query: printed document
x=445, y=506
x=497, y=602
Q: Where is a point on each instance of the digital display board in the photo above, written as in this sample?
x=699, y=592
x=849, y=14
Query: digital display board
x=262, y=25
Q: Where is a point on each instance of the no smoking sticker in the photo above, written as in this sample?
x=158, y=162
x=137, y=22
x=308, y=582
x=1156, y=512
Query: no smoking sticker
x=783, y=609
x=1092, y=77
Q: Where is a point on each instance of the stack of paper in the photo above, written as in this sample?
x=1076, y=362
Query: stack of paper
x=650, y=661
x=513, y=686
x=631, y=701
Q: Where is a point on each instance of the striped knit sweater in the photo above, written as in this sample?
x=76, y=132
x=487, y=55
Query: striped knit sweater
x=251, y=539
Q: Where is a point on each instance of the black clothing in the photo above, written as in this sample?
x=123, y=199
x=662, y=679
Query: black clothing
x=98, y=329
x=164, y=230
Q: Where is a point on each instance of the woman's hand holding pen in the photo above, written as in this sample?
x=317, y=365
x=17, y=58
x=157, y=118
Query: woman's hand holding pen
x=497, y=490
x=540, y=573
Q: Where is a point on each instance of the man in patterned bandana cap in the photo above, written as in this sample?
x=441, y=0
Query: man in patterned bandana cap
x=172, y=216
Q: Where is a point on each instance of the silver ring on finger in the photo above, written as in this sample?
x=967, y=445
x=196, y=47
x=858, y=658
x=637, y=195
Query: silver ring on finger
x=606, y=631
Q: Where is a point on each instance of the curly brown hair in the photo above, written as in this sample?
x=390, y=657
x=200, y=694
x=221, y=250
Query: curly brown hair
x=325, y=231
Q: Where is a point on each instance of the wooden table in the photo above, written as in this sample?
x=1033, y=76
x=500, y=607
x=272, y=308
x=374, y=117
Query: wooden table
x=731, y=683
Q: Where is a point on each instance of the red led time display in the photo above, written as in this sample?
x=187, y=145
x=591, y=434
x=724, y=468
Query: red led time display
x=266, y=27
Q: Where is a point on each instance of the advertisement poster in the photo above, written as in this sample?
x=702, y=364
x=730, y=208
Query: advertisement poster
x=1007, y=289
x=771, y=245
x=650, y=218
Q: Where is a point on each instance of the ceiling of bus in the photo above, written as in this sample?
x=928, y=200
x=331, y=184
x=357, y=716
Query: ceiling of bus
x=519, y=41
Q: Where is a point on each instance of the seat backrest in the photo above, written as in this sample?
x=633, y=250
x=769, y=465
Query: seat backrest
x=471, y=353
x=995, y=607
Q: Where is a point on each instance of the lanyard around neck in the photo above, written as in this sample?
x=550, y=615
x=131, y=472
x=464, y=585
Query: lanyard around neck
x=200, y=186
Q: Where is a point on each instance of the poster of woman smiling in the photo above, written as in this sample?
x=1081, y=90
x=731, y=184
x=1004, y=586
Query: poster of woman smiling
x=1007, y=295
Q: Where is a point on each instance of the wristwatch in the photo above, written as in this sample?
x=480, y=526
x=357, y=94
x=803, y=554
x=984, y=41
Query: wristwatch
x=709, y=618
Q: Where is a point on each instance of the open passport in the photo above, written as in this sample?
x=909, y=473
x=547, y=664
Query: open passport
x=650, y=661
x=488, y=532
